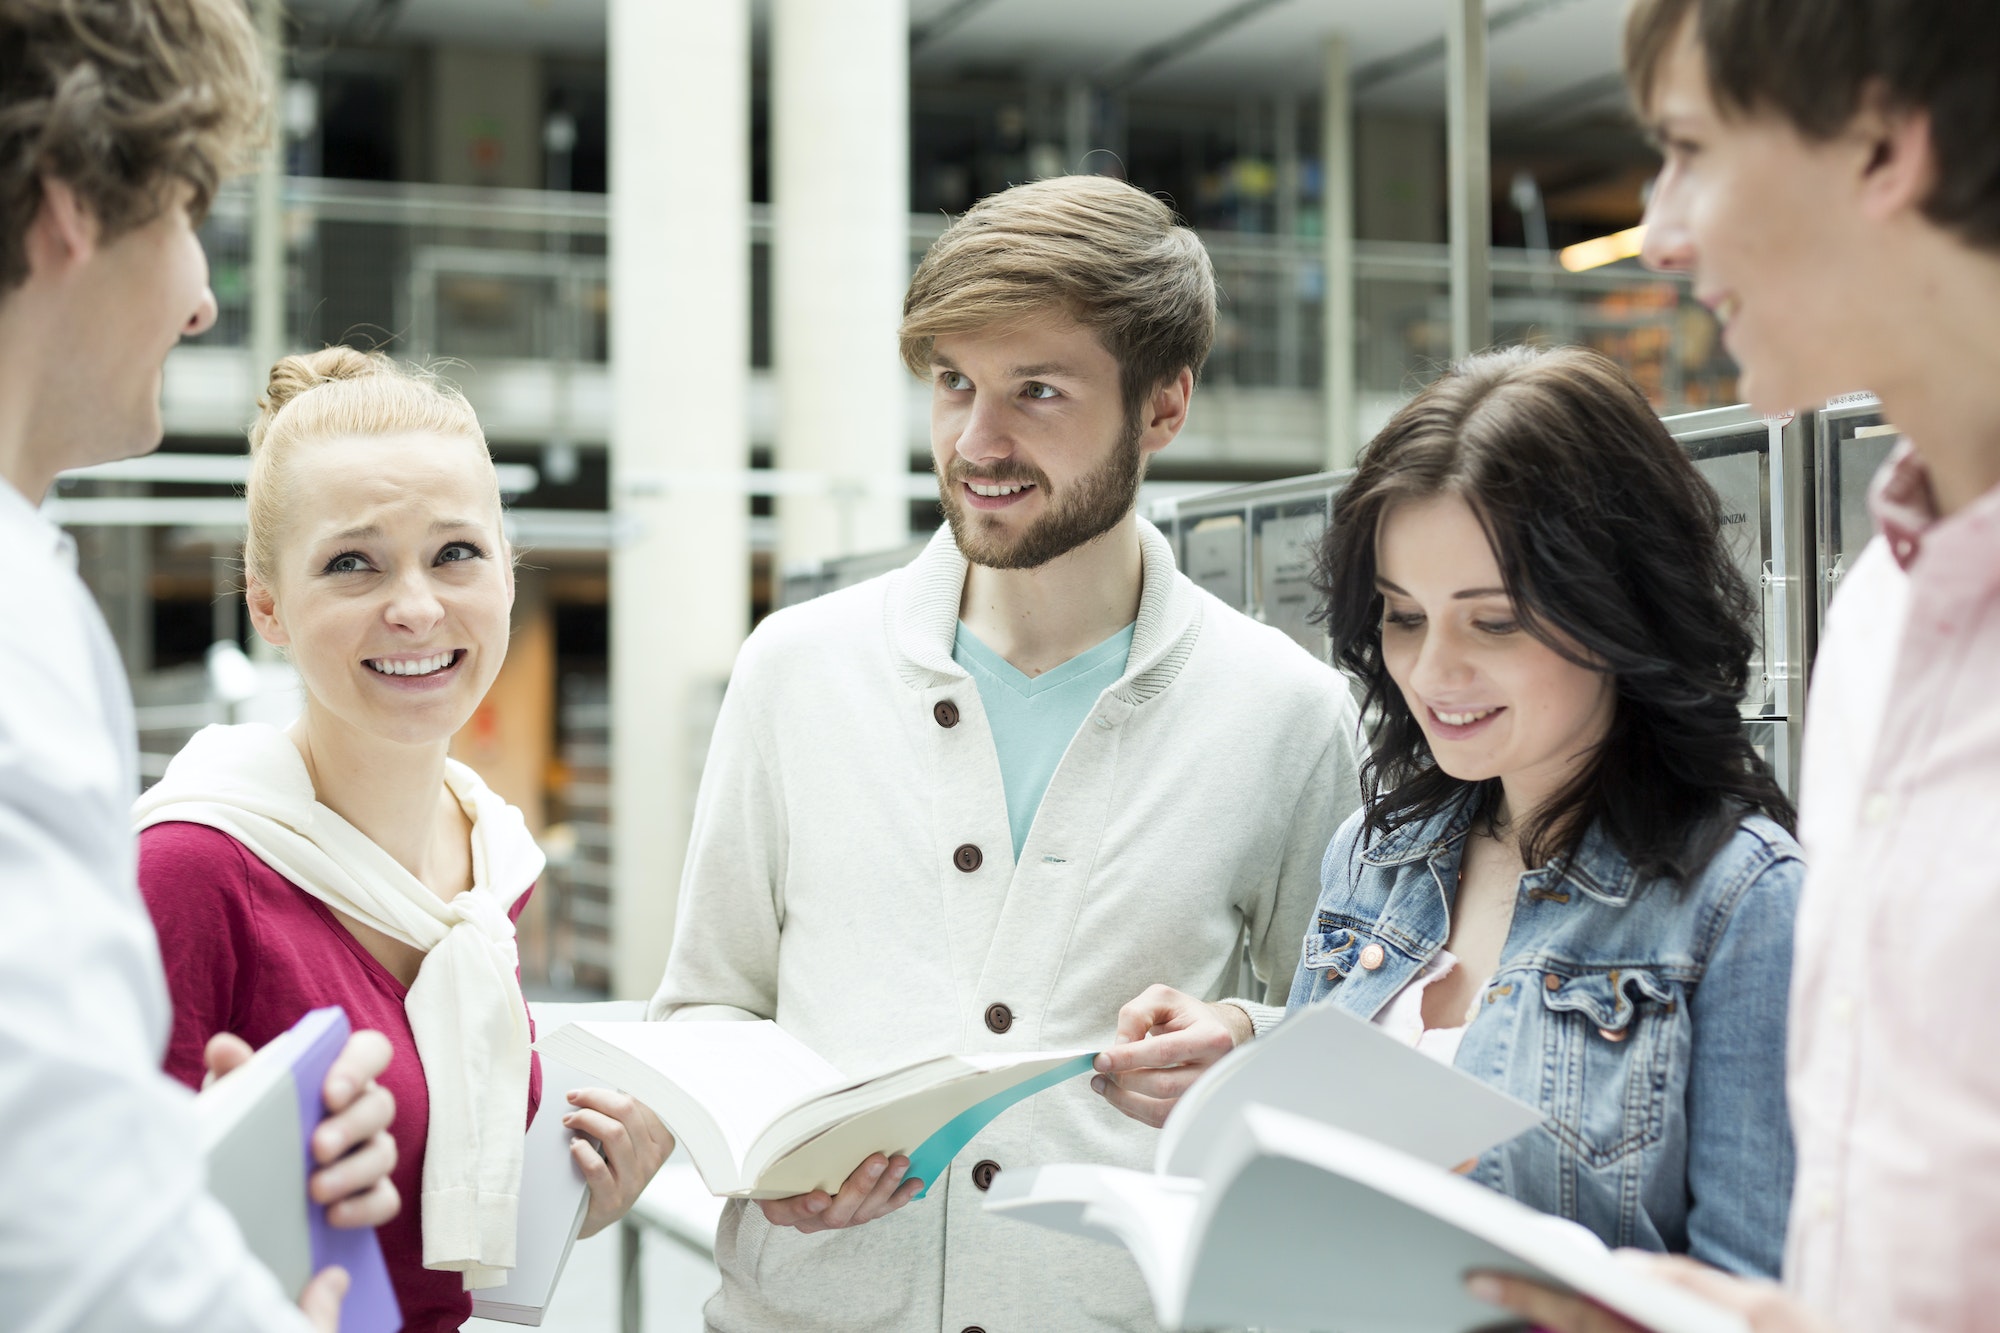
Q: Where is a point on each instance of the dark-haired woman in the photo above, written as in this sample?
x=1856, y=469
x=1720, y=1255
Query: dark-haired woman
x=1573, y=878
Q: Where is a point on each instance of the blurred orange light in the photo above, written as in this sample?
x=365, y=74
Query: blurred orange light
x=1603, y=249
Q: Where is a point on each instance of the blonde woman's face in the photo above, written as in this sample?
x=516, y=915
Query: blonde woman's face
x=393, y=585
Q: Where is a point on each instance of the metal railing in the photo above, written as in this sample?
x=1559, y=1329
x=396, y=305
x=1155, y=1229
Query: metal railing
x=512, y=275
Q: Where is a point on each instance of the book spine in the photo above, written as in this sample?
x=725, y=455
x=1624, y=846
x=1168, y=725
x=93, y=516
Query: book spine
x=371, y=1305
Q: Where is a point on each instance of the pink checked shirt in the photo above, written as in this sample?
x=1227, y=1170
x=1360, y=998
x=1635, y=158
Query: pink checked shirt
x=1894, y=1059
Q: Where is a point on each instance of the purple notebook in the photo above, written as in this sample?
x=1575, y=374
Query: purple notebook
x=256, y=1126
x=370, y=1306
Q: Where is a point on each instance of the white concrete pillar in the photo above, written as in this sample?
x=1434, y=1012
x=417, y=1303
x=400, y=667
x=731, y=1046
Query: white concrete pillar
x=1079, y=124
x=1336, y=138
x=1469, y=167
x=267, y=219
x=680, y=357
x=840, y=203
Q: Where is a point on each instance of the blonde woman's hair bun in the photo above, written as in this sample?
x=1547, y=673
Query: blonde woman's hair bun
x=293, y=376
x=332, y=394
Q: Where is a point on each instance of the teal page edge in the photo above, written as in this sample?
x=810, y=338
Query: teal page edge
x=934, y=1154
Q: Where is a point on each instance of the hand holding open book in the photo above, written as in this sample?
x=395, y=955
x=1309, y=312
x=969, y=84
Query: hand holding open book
x=764, y=1117
x=1305, y=1183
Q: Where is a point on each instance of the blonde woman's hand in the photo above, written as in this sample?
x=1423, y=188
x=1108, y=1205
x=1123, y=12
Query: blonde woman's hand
x=633, y=1145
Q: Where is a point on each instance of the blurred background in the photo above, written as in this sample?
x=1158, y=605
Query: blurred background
x=662, y=244
x=662, y=247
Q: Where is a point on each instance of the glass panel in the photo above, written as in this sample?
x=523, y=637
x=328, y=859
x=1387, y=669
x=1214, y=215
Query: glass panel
x=1859, y=446
x=1738, y=466
x=1772, y=740
x=1216, y=559
x=1286, y=539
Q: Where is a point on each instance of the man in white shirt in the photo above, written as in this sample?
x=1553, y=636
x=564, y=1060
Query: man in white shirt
x=117, y=120
x=970, y=805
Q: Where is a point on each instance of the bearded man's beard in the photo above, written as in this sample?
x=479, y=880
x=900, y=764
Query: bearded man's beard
x=1093, y=505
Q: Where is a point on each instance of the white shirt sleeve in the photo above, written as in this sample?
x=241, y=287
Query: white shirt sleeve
x=105, y=1223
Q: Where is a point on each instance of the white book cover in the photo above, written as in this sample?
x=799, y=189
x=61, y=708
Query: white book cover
x=255, y=1128
x=762, y=1116
x=1330, y=1065
x=1297, y=1225
x=554, y=1196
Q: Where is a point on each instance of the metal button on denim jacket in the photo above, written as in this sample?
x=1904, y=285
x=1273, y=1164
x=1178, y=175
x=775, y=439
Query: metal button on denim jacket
x=1646, y=1019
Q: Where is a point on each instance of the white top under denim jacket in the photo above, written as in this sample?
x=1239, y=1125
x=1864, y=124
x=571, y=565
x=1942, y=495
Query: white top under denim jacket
x=1646, y=1018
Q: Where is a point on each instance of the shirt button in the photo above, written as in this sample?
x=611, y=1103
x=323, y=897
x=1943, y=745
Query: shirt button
x=972, y=1328
x=946, y=713
x=999, y=1017
x=1552, y=982
x=1612, y=1034
x=968, y=858
x=1843, y=1008
x=1103, y=721
x=1877, y=808
x=983, y=1173
x=1371, y=957
x=1823, y=1203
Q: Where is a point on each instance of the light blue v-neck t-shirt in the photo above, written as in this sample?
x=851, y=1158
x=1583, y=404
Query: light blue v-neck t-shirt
x=1034, y=717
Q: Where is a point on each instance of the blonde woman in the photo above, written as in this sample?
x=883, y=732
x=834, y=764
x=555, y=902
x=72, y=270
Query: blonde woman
x=348, y=860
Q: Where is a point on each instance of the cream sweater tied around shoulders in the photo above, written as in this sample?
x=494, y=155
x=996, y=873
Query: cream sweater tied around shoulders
x=465, y=1006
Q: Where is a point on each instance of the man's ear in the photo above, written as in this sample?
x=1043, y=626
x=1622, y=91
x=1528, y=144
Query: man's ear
x=1167, y=411
x=63, y=231
x=263, y=606
x=1901, y=168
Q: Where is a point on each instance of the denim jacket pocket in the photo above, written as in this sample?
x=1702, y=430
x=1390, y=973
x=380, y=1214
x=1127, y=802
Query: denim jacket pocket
x=1611, y=1041
x=1333, y=951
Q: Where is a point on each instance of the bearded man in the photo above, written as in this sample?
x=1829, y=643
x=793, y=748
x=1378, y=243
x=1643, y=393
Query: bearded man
x=967, y=805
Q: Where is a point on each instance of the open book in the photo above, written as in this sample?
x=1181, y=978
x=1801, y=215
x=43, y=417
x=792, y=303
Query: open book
x=1295, y=1224
x=764, y=1117
x=1327, y=1064
x=256, y=1125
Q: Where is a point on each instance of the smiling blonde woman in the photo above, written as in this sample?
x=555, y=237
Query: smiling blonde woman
x=348, y=860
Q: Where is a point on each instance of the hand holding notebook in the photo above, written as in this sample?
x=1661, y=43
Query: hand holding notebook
x=258, y=1124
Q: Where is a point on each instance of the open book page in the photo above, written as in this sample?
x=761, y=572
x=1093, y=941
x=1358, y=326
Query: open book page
x=1297, y=1214
x=817, y=1145
x=1332, y=1066
x=1153, y=1216
x=715, y=1084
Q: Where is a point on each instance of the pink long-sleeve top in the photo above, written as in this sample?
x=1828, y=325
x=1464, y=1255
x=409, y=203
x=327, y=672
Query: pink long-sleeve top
x=248, y=952
x=1893, y=1080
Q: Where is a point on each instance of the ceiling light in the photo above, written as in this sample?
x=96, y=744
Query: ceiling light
x=1603, y=250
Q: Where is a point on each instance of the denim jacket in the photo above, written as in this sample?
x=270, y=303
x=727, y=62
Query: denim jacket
x=1646, y=1019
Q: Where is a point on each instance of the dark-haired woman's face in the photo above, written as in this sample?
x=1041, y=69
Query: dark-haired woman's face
x=1493, y=700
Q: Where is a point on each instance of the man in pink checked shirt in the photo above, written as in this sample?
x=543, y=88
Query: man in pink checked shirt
x=1832, y=183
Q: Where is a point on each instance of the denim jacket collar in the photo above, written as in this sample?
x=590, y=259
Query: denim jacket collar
x=1597, y=869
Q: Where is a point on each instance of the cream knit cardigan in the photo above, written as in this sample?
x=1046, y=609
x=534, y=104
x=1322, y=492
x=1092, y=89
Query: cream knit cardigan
x=1193, y=805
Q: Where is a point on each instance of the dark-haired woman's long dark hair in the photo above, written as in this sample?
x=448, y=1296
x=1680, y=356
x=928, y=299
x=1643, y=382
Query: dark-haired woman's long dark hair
x=1611, y=547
